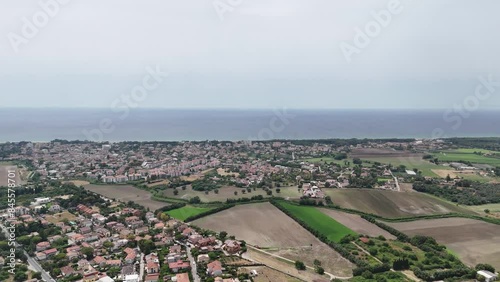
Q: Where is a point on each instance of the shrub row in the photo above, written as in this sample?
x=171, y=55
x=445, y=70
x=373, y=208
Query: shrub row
x=170, y=207
x=216, y=210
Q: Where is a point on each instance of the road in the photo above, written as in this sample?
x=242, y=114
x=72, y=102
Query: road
x=396, y=180
x=192, y=260
x=141, y=268
x=33, y=263
x=309, y=267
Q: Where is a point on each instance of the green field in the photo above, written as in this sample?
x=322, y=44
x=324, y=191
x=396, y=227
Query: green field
x=470, y=151
x=187, y=211
x=466, y=156
x=322, y=160
x=424, y=166
x=319, y=221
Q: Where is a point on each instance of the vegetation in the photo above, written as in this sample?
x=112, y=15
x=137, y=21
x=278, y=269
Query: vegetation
x=187, y=211
x=318, y=221
x=464, y=192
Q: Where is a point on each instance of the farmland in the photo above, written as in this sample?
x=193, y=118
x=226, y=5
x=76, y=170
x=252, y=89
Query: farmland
x=357, y=224
x=473, y=241
x=464, y=155
x=265, y=226
x=319, y=221
x=126, y=193
x=4, y=168
x=227, y=192
x=392, y=204
x=187, y=211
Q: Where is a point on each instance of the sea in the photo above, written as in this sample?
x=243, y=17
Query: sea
x=40, y=125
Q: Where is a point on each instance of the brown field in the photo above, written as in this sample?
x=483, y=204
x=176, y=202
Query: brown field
x=227, y=192
x=125, y=193
x=58, y=217
x=162, y=182
x=472, y=240
x=78, y=182
x=265, y=226
x=392, y=204
x=357, y=224
x=267, y=274
x=444, y=173
x=223, y=172
x=4, y=168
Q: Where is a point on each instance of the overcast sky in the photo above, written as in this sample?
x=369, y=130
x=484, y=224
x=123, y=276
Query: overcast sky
x=253, y=54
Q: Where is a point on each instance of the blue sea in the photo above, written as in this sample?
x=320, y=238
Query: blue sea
x=233, y=125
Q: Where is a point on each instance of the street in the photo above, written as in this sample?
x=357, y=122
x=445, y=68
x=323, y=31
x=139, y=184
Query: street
x=31, y=261
x=194, y=271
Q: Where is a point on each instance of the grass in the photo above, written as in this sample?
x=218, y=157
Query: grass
x=424, y=166
x=319, y=221
x=458, y=156
x=187, y=211
x=322, y=160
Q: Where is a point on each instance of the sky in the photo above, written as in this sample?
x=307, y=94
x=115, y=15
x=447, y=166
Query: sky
x=249, y=53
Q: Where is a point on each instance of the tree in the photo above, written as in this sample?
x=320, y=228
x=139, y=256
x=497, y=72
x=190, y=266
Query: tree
x=320, y=270
x=108, y=244
x=300, y=265
x=176, y=192
x=235, y=193
x=448, y=178
x=222, y=235
x=487, y=211
x=20, y=276
x=88, y=252
x=146, y=246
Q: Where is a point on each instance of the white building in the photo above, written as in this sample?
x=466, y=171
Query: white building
x=131, y=278
x=488, y=275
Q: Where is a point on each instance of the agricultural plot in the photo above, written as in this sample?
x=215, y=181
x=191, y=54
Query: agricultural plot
x=357, y=224
x=227, y=192
x=319, y=221
x=473, y=241
x=187, y=211
x=265, y=226
x=4, y=168
x=392, y=204
x=467, y=156
x=125, y=193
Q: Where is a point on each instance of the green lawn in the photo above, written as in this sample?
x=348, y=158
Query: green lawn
x=319, y=221
x=187, y=211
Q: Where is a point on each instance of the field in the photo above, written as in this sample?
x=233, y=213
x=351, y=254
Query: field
x=266, y=226
x=187, y=211
x=127, y=193
x=58, y=217
x=266, y=274
x=4, y=168
x=493, y=208
x=319, y=221
x=473, y=241
x=467, y=156
x=227, y=192
x=397, y=158
x=392, y=204
x=357, y=224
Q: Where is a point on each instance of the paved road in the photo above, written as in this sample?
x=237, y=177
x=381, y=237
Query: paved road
x=141, y=268
x=192, y=260
x=31, y=261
